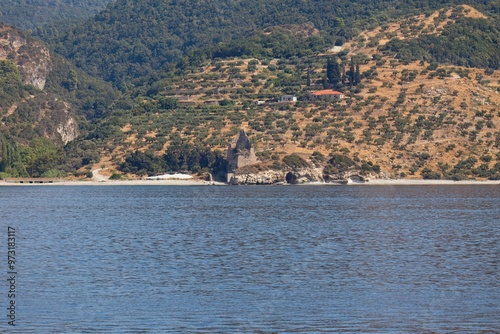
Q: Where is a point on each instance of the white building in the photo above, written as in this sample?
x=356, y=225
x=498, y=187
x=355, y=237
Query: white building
x=288, y=98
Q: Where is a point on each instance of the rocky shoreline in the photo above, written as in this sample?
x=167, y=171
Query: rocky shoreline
x=299, y=176
x=373, y=182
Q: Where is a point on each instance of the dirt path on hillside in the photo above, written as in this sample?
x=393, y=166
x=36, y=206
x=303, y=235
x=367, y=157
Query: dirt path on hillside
x=98, y=177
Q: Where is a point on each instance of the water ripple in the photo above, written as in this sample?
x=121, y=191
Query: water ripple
x=256, y=259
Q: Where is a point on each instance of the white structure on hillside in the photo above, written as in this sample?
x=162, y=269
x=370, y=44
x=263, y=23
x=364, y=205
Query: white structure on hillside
x=288, y=98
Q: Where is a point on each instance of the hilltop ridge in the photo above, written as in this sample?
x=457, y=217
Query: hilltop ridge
x=36, y=13
x=131, y=40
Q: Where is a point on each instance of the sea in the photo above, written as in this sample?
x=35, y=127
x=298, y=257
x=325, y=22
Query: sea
x=250, y=259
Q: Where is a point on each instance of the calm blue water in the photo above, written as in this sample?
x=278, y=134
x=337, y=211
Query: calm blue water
x=364, y=259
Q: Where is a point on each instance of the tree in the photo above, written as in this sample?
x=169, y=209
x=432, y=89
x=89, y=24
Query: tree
x=333, y=72
x=308, y=83
x=72, y=82
x=351, y=73
x=325, y=82
x=143, y=163
x=41, y=156
x=10, y=160
x=357, y=75
x=168, y=103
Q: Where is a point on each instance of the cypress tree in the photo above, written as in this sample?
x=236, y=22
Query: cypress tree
x=343, y=76
x=351, y=73
x=357, y=75
x=4, y=156
x=308, y=76
x=333, y=71
x=325, y=82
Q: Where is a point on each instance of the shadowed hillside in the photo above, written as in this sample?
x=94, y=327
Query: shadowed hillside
x=36, y=13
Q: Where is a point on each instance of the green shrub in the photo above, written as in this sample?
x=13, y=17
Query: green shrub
x=341, y=162
x=295, y=161
x=116, y=176
x=428, y=174
x=53, y=173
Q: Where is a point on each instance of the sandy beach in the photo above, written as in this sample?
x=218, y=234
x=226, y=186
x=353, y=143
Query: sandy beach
x=117, y=183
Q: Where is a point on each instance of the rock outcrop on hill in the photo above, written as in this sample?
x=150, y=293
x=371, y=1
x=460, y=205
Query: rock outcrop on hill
x=46, y=113
x=241, y=153
x=31, y=56
x=304, y=175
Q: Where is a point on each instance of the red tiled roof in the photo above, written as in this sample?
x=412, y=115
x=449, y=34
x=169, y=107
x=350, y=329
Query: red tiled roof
x=327, y=92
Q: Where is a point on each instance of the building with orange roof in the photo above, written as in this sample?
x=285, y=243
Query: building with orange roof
x=328, y=94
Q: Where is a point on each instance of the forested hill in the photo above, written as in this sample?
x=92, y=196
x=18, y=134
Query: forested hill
x=30, y=14
x=132, y=38
x=45, y=103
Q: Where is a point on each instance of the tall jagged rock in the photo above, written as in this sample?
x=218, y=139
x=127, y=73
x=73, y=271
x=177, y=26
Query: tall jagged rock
x=241, y=153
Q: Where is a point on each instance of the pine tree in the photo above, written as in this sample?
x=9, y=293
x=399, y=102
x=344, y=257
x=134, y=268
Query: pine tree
x=8, y=153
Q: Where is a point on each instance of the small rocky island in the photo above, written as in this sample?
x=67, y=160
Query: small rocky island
x=244, y=168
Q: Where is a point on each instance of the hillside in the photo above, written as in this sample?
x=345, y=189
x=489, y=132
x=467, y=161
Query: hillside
x=414, y=96
x=36, y=13
x=415, y=119
x=45, y=103
x=133, y=39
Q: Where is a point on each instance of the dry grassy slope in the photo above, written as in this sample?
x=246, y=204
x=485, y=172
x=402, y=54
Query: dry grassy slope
x=469, y=108
x=479, y=95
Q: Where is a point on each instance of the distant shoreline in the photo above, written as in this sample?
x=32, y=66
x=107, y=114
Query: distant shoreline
x=409, y=182
x=192, y=182
x=116, y=183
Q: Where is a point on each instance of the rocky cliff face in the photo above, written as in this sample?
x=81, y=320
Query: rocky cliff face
x=32, y=57
x=45, y=113
x=255, y=178
x=68, y=130
x=305, y=175
x=336, y=170
x=299, y=176
x=63, y=125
